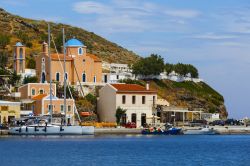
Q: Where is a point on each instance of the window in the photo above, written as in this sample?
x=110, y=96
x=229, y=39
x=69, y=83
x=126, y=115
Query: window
x=83, y=77
x=94, y=78
x=62, y=108
x=69, y=108
x=33, y=92
x=80, y=51
x=66, y=76
x=133, y=99
x=58, y=77
x=117, y=77
x=21, y=53
x=143, y=99
x=41, y=91
x=43, y=60
x=123, y=99
x=50, y=107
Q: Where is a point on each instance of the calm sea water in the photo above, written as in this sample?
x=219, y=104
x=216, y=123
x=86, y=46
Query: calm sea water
x=224, y=150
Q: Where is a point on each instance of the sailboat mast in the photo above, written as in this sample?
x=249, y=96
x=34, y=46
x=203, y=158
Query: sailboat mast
x=64, y=67
x=50, y=79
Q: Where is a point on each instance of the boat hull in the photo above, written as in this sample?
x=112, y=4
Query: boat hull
x=52, y=130
x=199, y=132
x=173, y=131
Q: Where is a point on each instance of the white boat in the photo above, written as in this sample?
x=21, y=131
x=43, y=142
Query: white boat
x=52, y=130
x=200, y=131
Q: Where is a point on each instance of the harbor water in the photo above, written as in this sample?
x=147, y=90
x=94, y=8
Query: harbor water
x=118, y=150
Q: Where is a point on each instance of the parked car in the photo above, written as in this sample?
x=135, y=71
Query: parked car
x=3, y=127
x=233, y=122
x=130, y=125
x=217, y=123
x=197, y=123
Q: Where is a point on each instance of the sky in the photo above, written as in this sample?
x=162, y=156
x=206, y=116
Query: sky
x=213, y=35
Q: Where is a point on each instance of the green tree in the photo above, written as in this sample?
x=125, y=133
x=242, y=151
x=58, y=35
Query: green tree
x=14, y=79
x=29, y=79
x=193, y=71
x=4, y=41
x=31, y=63
x=60, y=91
x=59, y=42
x=152, y=65
x=91, y=98
x=169, y=68
x=119, y=112
x=3, y=59
x=181, y=69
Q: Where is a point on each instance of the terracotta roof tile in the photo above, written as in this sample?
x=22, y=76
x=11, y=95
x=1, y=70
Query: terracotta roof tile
x=96, y=59
x=39, y=97
x=131, y=88
x=61, y=57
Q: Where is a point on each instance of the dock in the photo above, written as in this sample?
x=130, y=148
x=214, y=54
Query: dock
x=223, y=130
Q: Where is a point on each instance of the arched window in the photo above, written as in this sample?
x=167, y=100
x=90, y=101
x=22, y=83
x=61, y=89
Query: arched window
x=66, y=76
x=21, y=53
x=83, y=77
x=43, y=77
x=41, y=91
x=80, y=51
x=58, y=77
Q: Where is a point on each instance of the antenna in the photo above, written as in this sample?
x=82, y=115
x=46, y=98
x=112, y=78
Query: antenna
x=64, y=67
x=50, y=82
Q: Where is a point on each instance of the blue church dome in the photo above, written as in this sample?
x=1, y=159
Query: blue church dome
x=74, y=43
x=19, y=44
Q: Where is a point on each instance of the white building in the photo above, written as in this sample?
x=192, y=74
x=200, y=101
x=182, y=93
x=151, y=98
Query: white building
x=139, y=102
x=116, y=72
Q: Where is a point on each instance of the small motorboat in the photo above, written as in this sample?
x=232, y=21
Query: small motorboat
x=169, y=130
x=200, y=131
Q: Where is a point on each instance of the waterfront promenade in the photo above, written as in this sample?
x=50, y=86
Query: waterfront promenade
x=220, y=129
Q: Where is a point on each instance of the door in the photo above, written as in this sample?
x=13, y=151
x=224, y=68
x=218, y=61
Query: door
x=124, y=119
x=133, y=118
x=143, y=119
x=105, y=78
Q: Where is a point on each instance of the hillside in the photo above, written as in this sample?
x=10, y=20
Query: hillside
x=33, y=32
x=188, y=94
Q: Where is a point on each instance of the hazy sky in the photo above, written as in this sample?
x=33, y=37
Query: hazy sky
x=213, y=35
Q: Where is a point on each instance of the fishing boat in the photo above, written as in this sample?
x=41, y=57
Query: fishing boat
x=43, y=125
x=201, y=131
x=168, y=130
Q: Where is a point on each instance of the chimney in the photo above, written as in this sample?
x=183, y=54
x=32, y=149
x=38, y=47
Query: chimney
x=45, y=48
x=147, y=85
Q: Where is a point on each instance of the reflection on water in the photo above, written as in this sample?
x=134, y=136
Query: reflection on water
x=125, y=150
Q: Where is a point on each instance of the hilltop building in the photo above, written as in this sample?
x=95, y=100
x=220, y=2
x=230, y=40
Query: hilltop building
x=138, y=101
x=19, y=65
x=80, y=66
x=114, y=72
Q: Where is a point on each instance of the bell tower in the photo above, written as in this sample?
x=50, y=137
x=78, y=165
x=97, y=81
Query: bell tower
x=19, y=58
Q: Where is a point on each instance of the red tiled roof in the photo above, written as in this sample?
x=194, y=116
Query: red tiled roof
x=129, y=88
x=96, y=59
x=39, y=97
x=61, y=57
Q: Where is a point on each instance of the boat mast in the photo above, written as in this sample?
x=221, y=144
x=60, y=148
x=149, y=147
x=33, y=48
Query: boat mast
x=64, y=68
x=50, y=79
